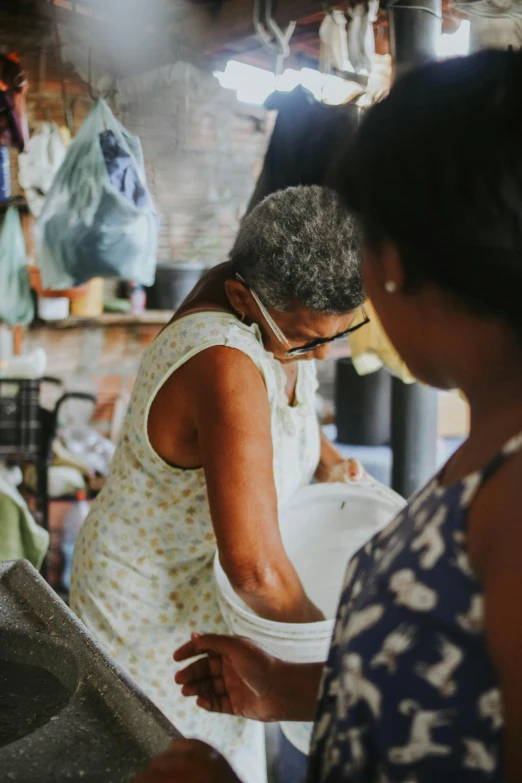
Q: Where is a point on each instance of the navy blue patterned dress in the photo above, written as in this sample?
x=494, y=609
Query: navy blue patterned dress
x=409, y=694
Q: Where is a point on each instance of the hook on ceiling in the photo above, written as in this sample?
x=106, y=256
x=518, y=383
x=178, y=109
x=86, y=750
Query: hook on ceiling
x=274, y=38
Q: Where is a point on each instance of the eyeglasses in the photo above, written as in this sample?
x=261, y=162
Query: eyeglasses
x=311, y=346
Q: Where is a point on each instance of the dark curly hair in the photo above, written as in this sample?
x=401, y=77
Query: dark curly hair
x=437, y=168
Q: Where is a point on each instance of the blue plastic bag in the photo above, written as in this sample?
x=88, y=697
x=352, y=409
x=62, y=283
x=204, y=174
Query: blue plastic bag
x=98, y=219
x=16, y=302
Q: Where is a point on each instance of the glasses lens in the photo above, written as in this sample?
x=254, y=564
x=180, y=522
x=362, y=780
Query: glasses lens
x=362, y=320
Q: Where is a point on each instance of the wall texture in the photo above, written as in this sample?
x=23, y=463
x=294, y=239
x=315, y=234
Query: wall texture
x=203, y=152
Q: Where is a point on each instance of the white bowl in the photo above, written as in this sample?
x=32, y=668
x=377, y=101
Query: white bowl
x=322, y=526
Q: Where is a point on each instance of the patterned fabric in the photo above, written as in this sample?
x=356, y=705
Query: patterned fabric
x=20, y=424
x=409, y=694
x=142, y=576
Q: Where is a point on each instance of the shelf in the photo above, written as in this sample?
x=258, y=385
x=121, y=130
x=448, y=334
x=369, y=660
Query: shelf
x=16, y=201
x=149, y=317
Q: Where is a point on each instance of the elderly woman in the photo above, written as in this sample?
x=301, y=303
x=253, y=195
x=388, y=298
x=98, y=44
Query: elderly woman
x=423, y=681
x=221, y=430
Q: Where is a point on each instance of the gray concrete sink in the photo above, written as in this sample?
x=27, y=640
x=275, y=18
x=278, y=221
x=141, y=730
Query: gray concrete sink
x=37, y=680
x=67, y=711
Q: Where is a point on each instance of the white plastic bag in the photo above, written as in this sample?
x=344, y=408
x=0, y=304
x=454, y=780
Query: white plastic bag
x=37, y=166
x=16, y=302
x=98, y=219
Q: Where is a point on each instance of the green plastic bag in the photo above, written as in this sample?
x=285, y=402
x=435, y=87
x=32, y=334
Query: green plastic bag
x=16, y=302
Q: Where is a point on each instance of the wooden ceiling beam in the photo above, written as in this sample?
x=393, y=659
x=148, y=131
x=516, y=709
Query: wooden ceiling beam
x=208, y=32
x=186, y=30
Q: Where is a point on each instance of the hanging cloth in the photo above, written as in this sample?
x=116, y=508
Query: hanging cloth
x=305, y=141
x=13, y=91
x=16, y=302
x=37, y=167
x=98, y=219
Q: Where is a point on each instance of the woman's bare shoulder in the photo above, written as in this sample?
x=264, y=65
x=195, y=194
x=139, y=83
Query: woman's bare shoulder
x=495, y=518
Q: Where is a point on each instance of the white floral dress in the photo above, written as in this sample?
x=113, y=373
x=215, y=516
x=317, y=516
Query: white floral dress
x=142, y=576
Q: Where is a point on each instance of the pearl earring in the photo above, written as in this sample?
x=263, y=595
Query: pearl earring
x=390, y=287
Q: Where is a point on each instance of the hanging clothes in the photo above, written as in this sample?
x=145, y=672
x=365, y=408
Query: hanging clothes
x=13, y=91
x=39, y=164
x=305, y=141
x=21, y=538
x=16, y=303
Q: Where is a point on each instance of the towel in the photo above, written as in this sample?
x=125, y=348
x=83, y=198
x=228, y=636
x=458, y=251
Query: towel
x=372, y=350
x=21, y=538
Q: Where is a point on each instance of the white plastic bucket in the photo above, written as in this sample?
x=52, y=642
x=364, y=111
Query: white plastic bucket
x=322, y=526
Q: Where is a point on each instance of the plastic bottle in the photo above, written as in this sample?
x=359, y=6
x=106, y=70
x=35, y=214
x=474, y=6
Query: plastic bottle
x=138, y=298
x=72, y=523
x=5, y=174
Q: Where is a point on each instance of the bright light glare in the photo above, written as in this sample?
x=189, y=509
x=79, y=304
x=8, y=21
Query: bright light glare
x=254, y=85
x=455, y=44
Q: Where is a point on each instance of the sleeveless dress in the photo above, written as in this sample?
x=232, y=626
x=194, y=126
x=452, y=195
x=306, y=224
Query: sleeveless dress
x=142, y=576
x=409, y=694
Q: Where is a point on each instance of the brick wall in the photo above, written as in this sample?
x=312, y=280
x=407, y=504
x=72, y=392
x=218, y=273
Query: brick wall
x=101, y=360
x=203, y=152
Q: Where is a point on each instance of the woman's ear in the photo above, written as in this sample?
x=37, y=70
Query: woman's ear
x=383, y=271
x=239, y=297
x=390, y=267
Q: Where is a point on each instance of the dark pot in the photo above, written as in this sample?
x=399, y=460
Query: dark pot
x=362, y=406
x=173, y=284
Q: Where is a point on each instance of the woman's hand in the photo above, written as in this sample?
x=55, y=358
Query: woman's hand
x=347, y=470
x=333, y=468
x=188, y=761
x=238, y=678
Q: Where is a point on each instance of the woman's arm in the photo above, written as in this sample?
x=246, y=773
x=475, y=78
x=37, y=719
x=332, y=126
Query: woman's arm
x=237, y=678
x=334, y=467
x=495, y=544
x=188, y=761
x=229, y=406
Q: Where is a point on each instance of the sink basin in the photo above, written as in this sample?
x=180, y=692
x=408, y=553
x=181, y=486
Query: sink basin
x=29, y=697
x=67, y=710
x=32, y=694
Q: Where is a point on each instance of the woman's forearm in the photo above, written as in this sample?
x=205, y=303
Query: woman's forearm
x=298, y=689
x=277, y=596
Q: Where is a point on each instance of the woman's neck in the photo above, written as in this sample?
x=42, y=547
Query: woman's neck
x=494, y=393
x=209, y=292
x=494, y=390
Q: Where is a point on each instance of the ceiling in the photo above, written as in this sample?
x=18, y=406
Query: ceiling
x=127, y=37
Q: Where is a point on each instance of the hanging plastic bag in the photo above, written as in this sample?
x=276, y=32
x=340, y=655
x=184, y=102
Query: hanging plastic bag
x=98, y=219
x=16, y=302
x=37, y=166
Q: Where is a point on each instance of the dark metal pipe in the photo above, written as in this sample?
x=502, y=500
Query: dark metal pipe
x=413, y=435
x=415, y=27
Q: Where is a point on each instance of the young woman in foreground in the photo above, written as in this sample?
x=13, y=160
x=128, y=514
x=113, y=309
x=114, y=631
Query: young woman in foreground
x=424, y=678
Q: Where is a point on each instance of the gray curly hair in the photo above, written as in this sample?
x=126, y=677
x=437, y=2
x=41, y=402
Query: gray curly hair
x=300, y=246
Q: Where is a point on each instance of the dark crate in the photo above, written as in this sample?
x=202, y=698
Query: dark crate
x=19, y=418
